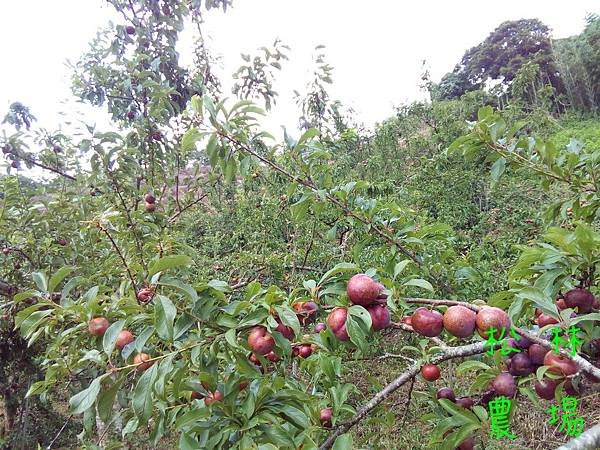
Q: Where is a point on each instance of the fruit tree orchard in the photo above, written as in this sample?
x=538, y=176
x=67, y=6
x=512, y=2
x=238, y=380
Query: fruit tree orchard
x=96, y=272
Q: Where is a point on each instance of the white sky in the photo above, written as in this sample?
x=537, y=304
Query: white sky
x=376, y=47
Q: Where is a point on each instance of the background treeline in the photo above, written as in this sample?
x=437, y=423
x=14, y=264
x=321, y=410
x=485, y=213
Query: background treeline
x=520, y=60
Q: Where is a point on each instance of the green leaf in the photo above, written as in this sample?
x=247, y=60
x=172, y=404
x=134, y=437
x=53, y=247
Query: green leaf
x=419, y=282
x=357, y=332
x=164, y=316
x=338, y=268
x=398, y=268
x=36, y=388
x=344, y=442
x=142, y=395
x=107, y=398
x=192, y=416
x=110, y=336
x=542, y=300
x=180, y=285
x=131, y=425
x=585, y=317
x=40, y=281
x=196, y=102
x=307, y=135
x=30, y=324
x=485, y=112
x=219, y=285
x=68, y=287
x=24, y=295
x=469, y=365
x=481, y=413
x=456, y=410
x=295, y=416
x=169, y=262
x=231, y=169
x=289, y=318
x=86, y=398
x=361, y=314
x=498, y=169
x=58, y=276
x=187, y=442
x=189, y=139
x=454, y=439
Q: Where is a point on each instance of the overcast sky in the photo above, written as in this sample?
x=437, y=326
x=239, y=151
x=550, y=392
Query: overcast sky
x=376, y=47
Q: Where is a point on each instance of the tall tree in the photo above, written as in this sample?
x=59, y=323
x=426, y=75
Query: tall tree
x=500, y=56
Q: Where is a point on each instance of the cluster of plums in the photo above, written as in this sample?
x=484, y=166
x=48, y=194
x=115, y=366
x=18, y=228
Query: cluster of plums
x=149, y=202
x=9, y=151
x=580, y=300
x=98, y=326
x=364, y=291
x=361, y=289
x=525, y=358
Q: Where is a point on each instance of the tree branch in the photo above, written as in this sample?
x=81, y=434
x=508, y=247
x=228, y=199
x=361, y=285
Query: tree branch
x=51, y=169
x=182, y=209
x=118, y=250
x=583, y=364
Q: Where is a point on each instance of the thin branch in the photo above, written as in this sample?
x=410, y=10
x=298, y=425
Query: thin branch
x=51, y=169
x=583, y=364
x=130, y=221
x=440, y=302
x=186, y=207
x=118, y=250
x=59, y=432
x=410, y=391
